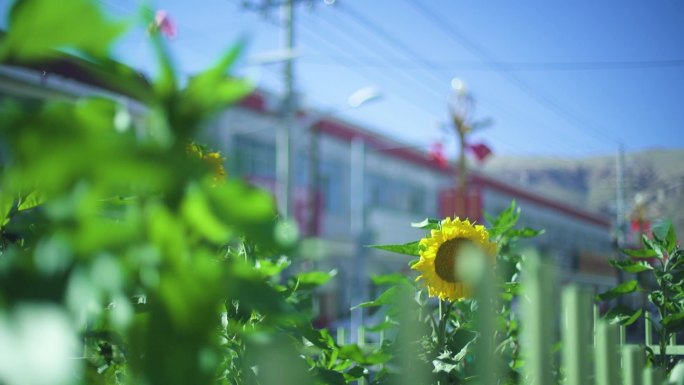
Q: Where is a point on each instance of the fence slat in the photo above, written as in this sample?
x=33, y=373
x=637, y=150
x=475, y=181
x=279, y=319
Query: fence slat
x=607, y=361
x=653, y=376
x=632, y=365
x=577, y=311
x=648, y=330
x=538, y=320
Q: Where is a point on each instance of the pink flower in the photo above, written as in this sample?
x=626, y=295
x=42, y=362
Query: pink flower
x=164, y=24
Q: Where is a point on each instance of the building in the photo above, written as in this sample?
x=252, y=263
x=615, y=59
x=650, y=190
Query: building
x=398, y=185
x=367, y=189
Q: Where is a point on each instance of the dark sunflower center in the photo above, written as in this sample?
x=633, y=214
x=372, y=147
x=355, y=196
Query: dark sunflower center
x=445, y=261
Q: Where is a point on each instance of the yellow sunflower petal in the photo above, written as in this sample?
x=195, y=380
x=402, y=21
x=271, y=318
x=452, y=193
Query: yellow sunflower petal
x=437, y=268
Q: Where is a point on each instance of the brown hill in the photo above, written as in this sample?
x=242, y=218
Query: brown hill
x=653, y=177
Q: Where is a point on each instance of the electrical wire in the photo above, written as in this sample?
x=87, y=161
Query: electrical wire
x=507, y=66
x=407, y=52
x=541, y=97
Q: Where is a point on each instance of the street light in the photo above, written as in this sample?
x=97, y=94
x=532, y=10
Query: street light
x=460, y=104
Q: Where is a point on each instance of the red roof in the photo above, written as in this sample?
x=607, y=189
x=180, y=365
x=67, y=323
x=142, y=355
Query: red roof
x=346, y=131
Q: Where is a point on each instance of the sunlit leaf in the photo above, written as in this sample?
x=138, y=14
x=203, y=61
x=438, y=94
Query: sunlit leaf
x=388, y=297
x=674, y=322
x=428, y=224
x=525, y=232
x=33, y=199
x=385, y=325
x=631, y=266
x=664, y=231
x=315, y=278
x=620, y=290
x=640, y=253
x=411, y=248
x=37, y=27
x=198, y=214
x=623, y=315
x=505, y=221
x=389, y=279
x=6, y=203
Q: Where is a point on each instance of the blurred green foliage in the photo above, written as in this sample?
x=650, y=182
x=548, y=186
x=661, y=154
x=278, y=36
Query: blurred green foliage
x=164, y=274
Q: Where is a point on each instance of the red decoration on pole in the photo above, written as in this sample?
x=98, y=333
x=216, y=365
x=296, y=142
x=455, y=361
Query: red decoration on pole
x=437, y=155
x=480, y=150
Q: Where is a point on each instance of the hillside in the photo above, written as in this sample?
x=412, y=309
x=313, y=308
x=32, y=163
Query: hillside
x=656, y=177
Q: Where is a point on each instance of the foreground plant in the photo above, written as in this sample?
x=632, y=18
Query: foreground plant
x=660, y=266
x=123, y=258
x=438, y=314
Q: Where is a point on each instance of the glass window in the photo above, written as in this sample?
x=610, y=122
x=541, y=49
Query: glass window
x=333, y=187
x=254, y=158
x=397, y=195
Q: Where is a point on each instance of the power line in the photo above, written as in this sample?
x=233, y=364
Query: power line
x=341, y=35
x=407, y=52
x=510, y=66
x=488, y=58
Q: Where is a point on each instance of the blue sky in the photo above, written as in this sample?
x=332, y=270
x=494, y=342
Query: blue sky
x=560, y=79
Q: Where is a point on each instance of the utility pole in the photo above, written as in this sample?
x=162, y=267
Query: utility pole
x=284, y=134
x=357, y=220
x=620, y=210
x=620, y=198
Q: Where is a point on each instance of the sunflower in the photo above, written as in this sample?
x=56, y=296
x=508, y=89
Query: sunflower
x=439, y=254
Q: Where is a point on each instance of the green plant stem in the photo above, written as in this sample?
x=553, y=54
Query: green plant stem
x=663, y=335
x=443, y=321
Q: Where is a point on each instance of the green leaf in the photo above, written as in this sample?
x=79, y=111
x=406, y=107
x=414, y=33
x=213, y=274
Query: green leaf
x=6, y=203
x=33, y=199
x=674, y=322
x=382, y=326
x=320, y=338
x=623, y=315
x=652, y=245
x=506, y=220
x=356, y=372
x=270, y=268
x=198, y=214
x=315, y=278
x=428, y=224
x=525, y=232
x=330, y=377
x=214, y=89
x=665, y=233
x=389, y=279
x=38, y=27
x=386, y=298
x=411, y=248
x=512, y=288
x=640, y=253
x=631, y=266
x=619, y=290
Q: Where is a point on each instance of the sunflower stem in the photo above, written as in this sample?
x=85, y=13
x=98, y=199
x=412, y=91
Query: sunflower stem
x=440, y=309
x=443, y=321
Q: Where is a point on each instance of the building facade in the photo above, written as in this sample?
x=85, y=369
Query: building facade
x=358, y=188
x=361, y=189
